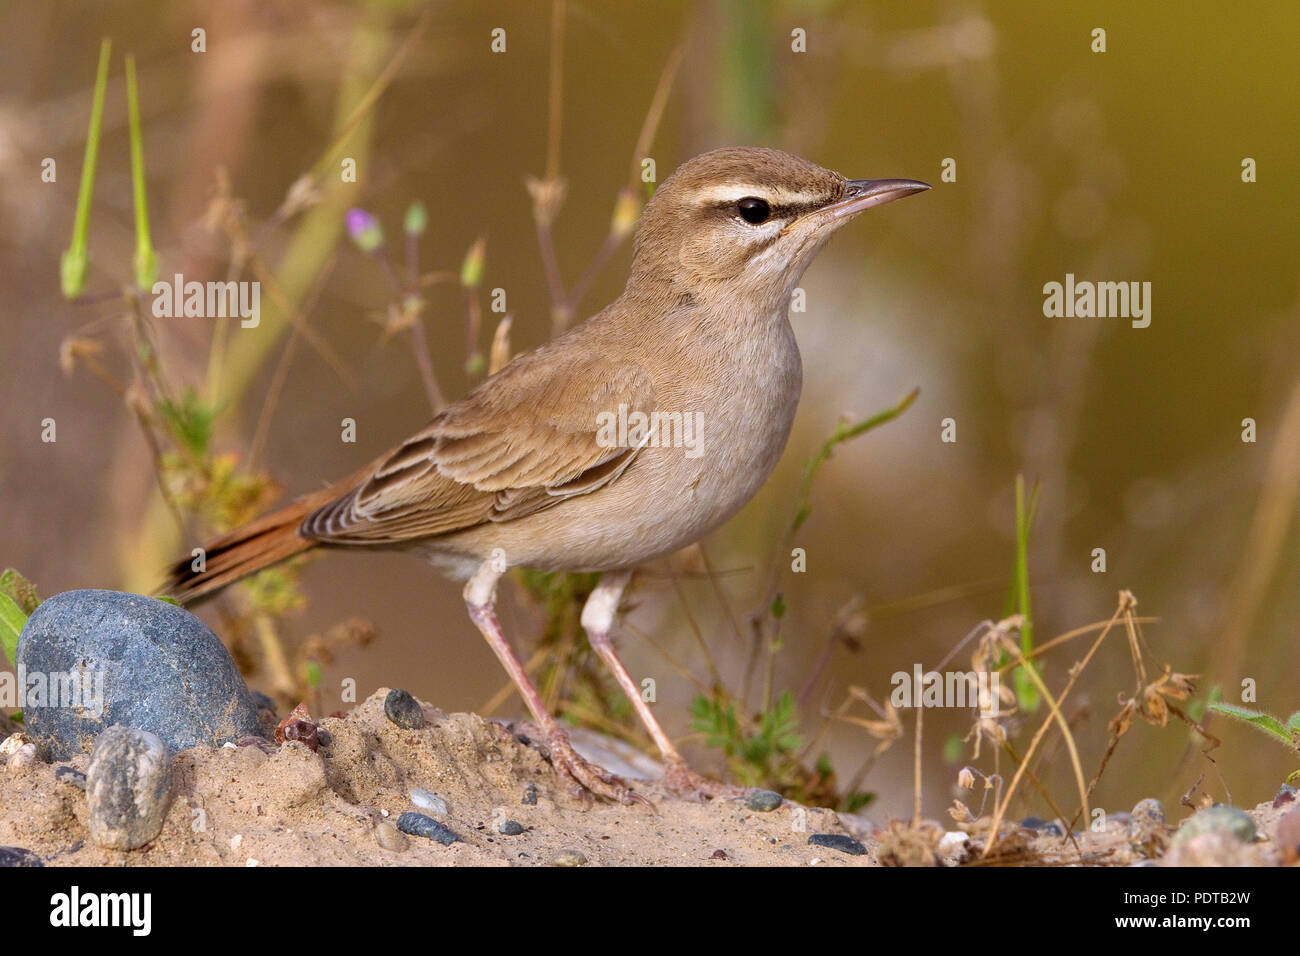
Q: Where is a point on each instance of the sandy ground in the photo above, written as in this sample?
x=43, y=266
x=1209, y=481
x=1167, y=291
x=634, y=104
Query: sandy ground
x=243, y=807
x=246, y=807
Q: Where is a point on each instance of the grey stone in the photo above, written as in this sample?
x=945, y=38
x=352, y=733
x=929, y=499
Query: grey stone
x=838, y=841
x=1217, y=819
x=417, y=824
x=128, y=788
x=763, y=801
x=162, y=670
x=19, y=856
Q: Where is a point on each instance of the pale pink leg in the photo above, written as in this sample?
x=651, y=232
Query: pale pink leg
x=598, y=619
x=480, y=599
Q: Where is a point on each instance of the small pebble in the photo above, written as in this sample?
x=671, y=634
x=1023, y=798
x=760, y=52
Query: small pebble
x=18, y=856
x=719, y=855
x=838, y=841
x=568, y=858
x=1146, y=830
x=1285, y=794
x=1148, y=811
x=530, y=795
x=24, y=758
x=403, y=710
x=128, y=788
x=953, y=841
x=511, y=828
x=762, y=801
x=417, y=824
x=13, y=743
x=71, y=776
x=428, y=801
x=1288, y=836
x=1218, y=819
x=390, y=838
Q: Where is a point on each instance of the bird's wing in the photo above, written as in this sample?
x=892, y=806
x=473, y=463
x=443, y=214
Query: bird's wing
x=526, y=439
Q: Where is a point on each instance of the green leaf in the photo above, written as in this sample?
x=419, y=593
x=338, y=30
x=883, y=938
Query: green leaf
x=1265, y=722
x=12, y=620
x=72, y=268
x=22, y=591
x=190, y=421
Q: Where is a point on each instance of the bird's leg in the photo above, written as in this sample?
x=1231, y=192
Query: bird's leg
x=480, y=599
x=597, y=619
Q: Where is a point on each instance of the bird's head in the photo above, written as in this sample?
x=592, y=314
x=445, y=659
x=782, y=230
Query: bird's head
x=746, y=222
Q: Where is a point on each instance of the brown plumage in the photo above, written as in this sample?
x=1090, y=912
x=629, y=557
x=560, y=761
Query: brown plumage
x=520, y=472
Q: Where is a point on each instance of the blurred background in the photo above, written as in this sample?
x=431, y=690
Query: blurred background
x=1123, y=165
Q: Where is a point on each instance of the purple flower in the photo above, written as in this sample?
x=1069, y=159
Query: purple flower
x=365, y=230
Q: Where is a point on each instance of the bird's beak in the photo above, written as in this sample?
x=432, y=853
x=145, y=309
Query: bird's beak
x=860, y=194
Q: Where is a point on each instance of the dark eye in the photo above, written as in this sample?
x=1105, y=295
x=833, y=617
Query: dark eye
x=753, y=210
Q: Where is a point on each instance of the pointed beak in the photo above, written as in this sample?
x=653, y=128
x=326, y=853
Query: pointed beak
x=860, y=194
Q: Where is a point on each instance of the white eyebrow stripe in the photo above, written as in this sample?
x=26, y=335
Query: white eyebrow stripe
x=733, y=191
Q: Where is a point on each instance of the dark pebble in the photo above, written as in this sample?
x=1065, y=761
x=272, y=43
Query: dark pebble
x=838, y=841
x=1285, y=794
x=761, y=801
x=18, y=856
x=417, y=824
x=530, y=795
x=157, y=666
x=70, y=775
x=511, y=828
x=403, y=710
x=719, y=855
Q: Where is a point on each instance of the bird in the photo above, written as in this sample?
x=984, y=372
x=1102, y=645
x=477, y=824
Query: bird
x=627, y=438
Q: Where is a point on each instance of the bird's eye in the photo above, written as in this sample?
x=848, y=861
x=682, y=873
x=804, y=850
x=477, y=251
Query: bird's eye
x=753, y=210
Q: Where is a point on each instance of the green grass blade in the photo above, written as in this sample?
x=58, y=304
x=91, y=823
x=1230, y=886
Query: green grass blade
x=146, y=259
x=72, y=271
x=843, y=432
x=1020, y=603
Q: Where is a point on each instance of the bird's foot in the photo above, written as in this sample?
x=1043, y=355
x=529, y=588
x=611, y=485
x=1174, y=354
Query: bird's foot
x=584, y=778
x=686, y=783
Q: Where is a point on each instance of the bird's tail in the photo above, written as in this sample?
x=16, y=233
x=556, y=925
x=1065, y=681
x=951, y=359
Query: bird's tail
x=269, y=540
